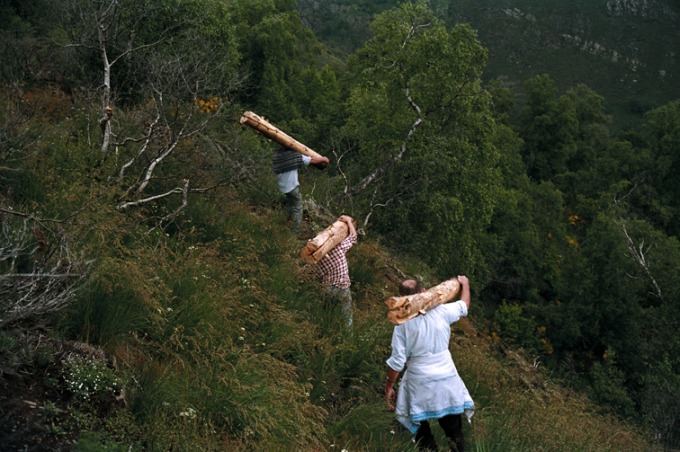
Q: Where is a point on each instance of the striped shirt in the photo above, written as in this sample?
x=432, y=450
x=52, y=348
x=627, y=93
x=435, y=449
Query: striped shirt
x=333, y=269
x=286, y=163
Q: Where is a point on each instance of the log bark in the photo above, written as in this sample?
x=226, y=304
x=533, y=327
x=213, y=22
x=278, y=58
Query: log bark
x=326, y=240
x=404, y=308
x=272, y=132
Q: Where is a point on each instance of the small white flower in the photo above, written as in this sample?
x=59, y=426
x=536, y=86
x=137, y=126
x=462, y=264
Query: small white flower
x=240, y=338
x=190, y=413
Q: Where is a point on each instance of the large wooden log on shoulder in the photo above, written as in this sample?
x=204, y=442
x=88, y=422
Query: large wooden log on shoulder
x=316, y=248
x=272, y=132
x=403, y=308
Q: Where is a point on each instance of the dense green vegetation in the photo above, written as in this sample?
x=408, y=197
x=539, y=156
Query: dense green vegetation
x=151, y=295
x=623, y=49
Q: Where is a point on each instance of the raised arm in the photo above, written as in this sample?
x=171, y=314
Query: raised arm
x=350, y=224
x=319, y=159
x=464, y=290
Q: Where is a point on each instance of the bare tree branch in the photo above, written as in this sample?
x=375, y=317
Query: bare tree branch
x=36, y=276
x=28, y=216
x=147, y=139
x=382, y=169
x=637, y=251
x=375, y=205
x=125, y=205
x=410, y=34
x=185, y=202
x=639, y=254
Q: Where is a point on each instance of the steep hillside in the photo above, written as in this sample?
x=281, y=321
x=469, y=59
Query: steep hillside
x=238, y=352
x=626, y=50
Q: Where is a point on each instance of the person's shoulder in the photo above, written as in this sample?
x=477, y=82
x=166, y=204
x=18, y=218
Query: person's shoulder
x=454, y=306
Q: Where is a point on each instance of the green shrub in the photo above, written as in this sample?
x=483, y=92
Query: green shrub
x=516, y=329
x=93, y=442
x=608, y=388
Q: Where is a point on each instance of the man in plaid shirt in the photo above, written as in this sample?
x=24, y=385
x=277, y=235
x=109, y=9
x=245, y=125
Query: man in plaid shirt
x=333, y=270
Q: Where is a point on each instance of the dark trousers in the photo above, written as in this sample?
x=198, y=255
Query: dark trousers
x=294, y=205
x=452, y=425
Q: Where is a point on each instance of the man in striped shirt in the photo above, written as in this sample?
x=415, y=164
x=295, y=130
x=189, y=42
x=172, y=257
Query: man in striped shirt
x=333, y=271
x=286, y=163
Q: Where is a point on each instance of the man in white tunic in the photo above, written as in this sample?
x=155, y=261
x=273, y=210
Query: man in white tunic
x=430, y=387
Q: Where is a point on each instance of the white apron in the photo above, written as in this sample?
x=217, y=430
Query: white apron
x=431, y=389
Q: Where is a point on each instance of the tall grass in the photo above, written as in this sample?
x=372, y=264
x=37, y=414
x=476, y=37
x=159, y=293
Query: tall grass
x=519, y=407
x=230, y=345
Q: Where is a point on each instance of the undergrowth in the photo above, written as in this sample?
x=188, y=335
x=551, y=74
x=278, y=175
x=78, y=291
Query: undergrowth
x=217, y=337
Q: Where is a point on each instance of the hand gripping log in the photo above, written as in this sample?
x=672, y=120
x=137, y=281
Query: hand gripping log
x=402, y=309
x=272, y=132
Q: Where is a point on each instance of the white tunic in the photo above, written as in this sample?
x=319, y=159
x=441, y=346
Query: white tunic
x=431, y=387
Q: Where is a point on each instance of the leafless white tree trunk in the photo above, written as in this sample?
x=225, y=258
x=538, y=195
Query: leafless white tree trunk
x=638, y=251
x=382, y=169
x=104, y=28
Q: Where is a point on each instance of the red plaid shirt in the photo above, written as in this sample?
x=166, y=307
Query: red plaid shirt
x=333, y=269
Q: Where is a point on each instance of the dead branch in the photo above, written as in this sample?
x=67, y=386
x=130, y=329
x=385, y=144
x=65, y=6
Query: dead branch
x=638, y=253
x=38, y=276
x=146, y=140
x=29, y=216
x=125, y=205
x=371, y=178
x=374, y=205
x=185, y=203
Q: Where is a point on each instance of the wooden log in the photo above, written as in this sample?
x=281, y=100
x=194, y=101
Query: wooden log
x=272, y=132
x=404, y=308
x=324, y=241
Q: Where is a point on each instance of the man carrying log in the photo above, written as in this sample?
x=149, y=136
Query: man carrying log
x=286, y=163
x=430, y=387
x=333, y=271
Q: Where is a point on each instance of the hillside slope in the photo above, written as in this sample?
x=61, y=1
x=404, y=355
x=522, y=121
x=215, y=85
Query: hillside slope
x=243, y=339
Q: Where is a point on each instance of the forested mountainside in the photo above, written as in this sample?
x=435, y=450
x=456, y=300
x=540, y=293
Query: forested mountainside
x=625, y=50
x=152, y=295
